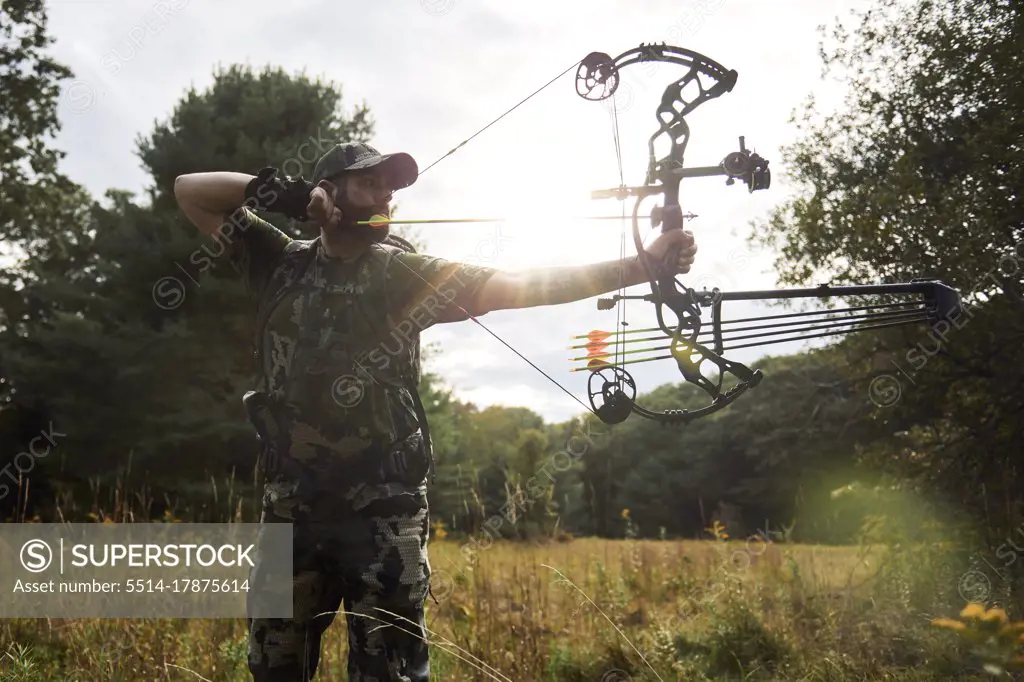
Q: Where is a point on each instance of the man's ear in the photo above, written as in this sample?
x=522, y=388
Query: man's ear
x=331, y=186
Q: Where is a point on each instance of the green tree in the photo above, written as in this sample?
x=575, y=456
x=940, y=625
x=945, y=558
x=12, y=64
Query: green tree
x=34, y=195
x=919, y=175
x=245, y=121
x=143, y=347
x=42, y=226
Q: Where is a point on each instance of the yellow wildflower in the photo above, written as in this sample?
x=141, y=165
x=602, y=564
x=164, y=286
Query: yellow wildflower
x=995, y=617
x=991, y=634
x=948, y=623
x=973, y=611
x=439, y=530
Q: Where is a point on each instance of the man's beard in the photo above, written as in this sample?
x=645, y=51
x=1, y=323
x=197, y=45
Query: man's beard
x=355, y=214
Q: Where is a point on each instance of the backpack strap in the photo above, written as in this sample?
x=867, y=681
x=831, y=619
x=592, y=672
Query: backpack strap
x=298, y=255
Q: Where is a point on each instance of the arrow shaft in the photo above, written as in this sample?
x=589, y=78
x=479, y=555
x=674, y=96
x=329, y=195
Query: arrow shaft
x=618, y=342
x=440, y=221
x=620, y=364
x=596, y=334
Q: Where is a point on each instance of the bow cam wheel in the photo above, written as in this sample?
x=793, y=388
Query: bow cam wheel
x=597, y=78
x=617, y=392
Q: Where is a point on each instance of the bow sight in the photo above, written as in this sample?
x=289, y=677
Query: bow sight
x=740, y=165
x=746, y=166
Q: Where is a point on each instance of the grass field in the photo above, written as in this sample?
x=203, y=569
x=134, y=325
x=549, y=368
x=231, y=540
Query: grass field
x=590, y=609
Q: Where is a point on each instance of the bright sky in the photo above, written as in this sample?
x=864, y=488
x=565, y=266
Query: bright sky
x=433, y=72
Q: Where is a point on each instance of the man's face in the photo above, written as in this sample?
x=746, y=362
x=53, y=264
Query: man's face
x=370, y=188
x=360, y=196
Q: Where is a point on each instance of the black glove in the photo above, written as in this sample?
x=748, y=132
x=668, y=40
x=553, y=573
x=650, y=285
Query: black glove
x=289, y=197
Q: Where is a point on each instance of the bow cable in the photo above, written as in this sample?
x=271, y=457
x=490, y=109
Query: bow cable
x=472, y=317
x=620, y=310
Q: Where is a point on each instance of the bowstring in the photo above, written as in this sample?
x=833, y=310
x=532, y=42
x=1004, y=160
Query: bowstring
x=620, y=310
x=533, y=94
x=469, y=315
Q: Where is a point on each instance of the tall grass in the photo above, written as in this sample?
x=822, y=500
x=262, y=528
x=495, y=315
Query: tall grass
x=575, y=610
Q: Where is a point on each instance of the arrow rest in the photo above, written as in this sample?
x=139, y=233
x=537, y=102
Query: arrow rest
x=657, y=216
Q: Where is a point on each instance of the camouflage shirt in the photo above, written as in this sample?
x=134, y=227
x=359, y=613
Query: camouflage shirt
x=340, y=345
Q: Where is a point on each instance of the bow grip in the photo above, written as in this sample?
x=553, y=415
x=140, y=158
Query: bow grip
x=668, y=264
x=671, y=219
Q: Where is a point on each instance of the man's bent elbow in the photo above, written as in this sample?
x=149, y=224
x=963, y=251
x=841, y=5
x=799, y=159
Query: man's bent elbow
x=186, y=188
x=181, y=187
x=188, y=193
x=208, y=198
x=217, y=191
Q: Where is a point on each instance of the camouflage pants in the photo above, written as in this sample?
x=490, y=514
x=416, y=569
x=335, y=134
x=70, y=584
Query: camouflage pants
x=365, y=562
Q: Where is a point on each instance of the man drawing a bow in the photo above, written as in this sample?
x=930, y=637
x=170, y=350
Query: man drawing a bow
x=345, y=441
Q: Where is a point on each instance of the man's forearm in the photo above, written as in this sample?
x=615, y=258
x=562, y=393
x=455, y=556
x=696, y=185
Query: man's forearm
x=553, y=286
x=219, y=192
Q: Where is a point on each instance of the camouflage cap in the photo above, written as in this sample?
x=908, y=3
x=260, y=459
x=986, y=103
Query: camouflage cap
x=357, y=155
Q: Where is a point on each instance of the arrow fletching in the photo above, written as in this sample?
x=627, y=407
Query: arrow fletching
x=601, y=335
x=593, y=346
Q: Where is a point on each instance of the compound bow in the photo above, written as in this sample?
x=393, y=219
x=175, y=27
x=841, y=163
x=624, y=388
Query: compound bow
x=611, y=389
